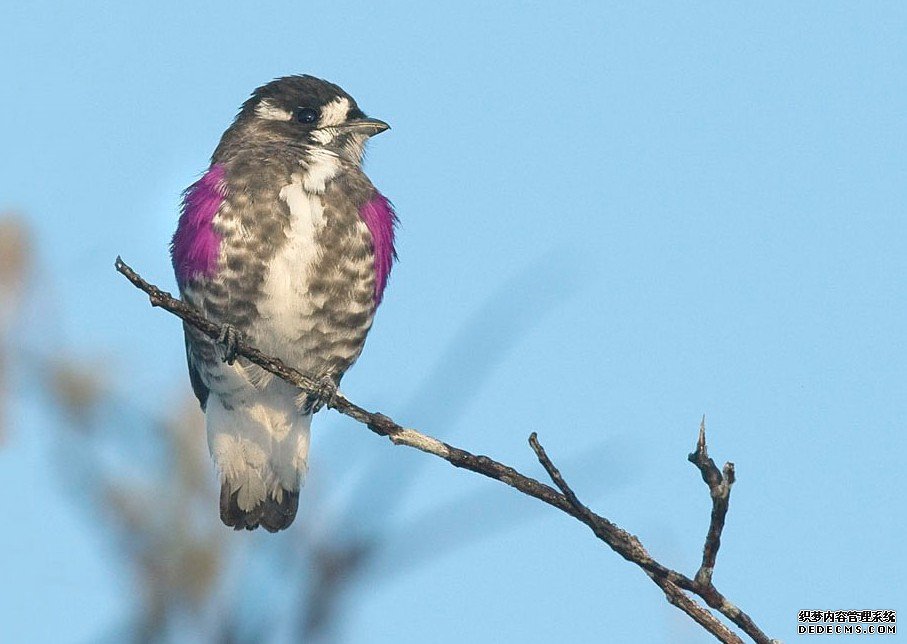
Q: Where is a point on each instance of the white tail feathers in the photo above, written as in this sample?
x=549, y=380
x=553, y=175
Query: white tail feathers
x=260, y=442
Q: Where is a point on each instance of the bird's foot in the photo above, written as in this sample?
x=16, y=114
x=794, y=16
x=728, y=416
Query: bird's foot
x=325, y=393
x=229, y=338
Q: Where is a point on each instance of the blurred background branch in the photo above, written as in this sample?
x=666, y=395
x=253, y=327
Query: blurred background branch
x=15, y=252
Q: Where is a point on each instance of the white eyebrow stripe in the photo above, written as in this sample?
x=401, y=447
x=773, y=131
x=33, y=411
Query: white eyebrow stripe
x=334, y=113
x=267, y=110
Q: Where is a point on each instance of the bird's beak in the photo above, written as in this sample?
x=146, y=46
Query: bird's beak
x=369, y=127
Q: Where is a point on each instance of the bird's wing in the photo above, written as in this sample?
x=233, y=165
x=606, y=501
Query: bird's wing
x=199, y=387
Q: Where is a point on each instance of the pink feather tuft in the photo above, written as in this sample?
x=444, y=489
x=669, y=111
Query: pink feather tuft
x=196, y=246
x=378, y=215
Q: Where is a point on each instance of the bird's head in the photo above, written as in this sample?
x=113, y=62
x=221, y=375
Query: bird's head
x=304, y=112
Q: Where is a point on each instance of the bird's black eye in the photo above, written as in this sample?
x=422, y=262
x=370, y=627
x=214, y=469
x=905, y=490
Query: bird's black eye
x=306, y=114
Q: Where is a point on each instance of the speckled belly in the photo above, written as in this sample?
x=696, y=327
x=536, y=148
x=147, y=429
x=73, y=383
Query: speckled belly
x=317, y=300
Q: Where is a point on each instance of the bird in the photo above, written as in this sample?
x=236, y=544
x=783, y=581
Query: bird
x=287, y=244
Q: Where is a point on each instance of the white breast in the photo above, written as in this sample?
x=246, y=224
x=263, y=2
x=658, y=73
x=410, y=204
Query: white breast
x=286, y=300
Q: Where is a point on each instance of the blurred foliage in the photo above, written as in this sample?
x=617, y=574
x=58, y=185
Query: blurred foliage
x=76, y=388
x=15, y=256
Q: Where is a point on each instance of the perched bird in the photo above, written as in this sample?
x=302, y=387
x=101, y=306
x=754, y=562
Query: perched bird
x=287, y=243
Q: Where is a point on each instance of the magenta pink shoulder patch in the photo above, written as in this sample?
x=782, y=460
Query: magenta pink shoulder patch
x=378, y=215
x=196, y=245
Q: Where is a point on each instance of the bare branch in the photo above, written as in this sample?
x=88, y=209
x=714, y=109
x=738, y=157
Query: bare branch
x=623, y=543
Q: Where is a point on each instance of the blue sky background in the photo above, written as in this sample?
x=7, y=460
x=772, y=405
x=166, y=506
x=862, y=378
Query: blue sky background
x=650, y=211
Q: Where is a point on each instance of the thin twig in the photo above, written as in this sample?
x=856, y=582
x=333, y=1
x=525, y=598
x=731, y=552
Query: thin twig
x=623, y=543
x=719, y=483
x=672, y=592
